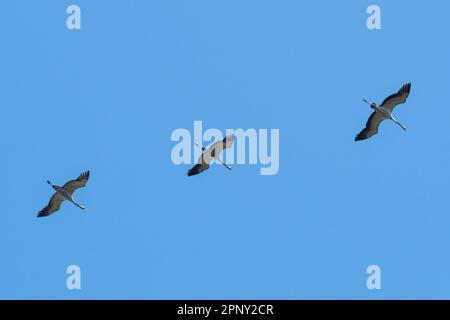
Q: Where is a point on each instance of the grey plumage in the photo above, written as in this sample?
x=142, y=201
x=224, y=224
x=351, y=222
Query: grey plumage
x=64, y=193
x=383, y=112
x=210, y=154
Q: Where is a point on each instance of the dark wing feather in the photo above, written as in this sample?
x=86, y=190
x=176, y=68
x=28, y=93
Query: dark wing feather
x=371, y=128
x=53, y=205
x=228, y=141
x=80, y=182
x=397, y=98
x=197, y=169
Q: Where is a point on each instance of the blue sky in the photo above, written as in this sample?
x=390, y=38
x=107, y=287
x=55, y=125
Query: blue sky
x=106, y=98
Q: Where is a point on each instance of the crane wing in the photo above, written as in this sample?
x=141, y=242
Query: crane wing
x=397, y=98
x=371, y=128
x=53, y=205
x=219, y=146
x=202, y=164
x=198, y=168
x=80, y=182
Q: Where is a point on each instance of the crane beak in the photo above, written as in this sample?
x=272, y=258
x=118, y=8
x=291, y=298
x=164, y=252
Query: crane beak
x=365, y=101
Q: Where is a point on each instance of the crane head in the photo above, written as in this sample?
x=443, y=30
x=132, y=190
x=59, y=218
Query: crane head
x=373, y=105
x=203, y=148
